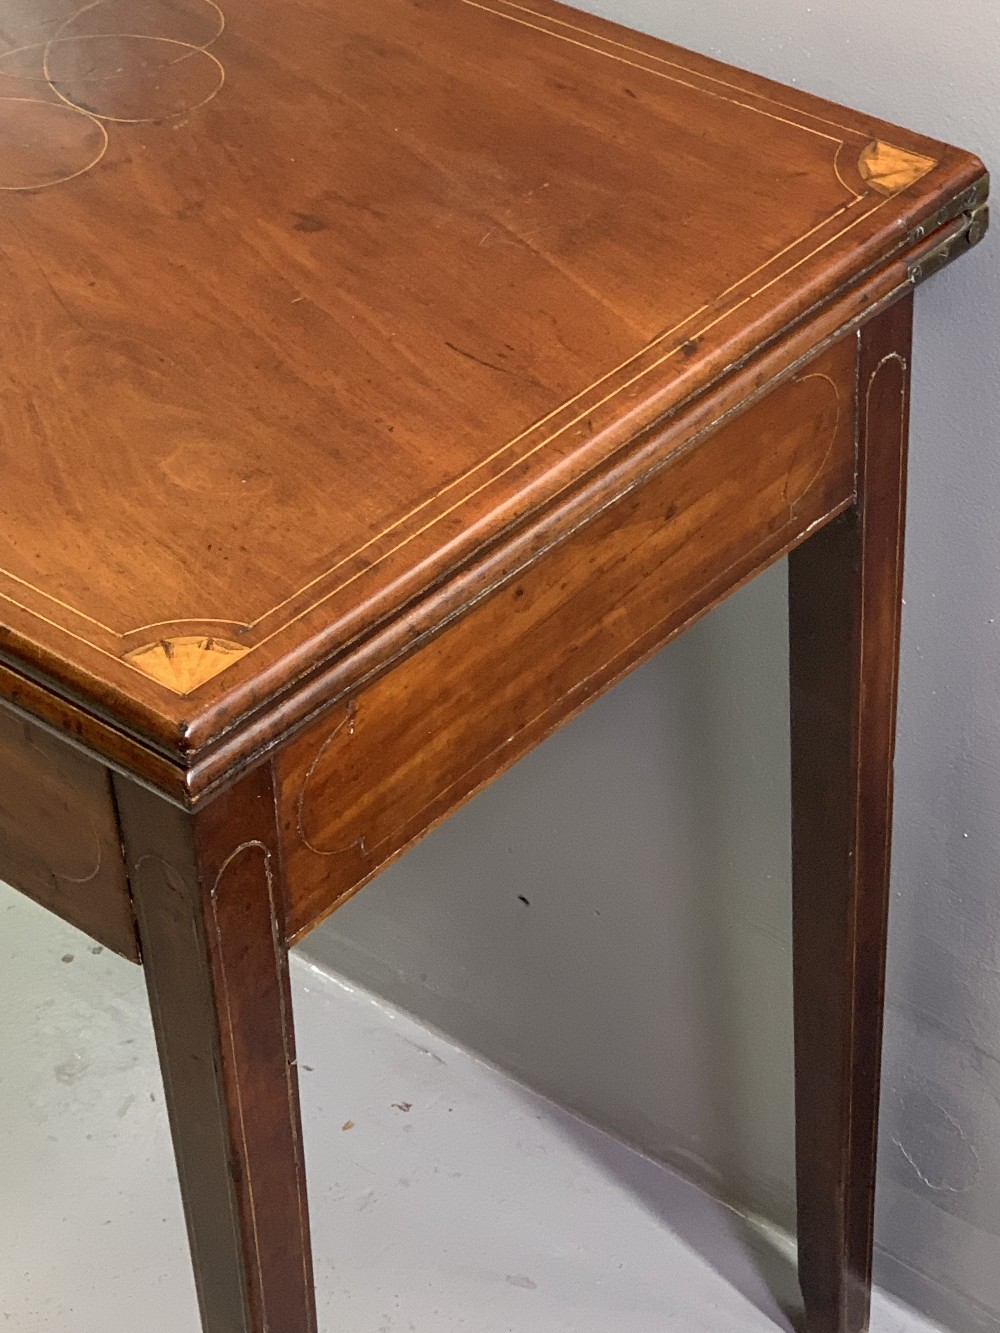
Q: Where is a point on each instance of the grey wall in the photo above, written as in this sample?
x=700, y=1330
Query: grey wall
x=647, y=984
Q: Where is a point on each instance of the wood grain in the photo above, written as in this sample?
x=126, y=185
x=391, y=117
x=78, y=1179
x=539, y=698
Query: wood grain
x=845, y=591
x=380, y=383
x=211, y=923
x=393, y=759
x=374, y=283
x=59, y=834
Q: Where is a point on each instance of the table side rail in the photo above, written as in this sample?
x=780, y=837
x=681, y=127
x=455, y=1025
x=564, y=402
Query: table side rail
x=391, y=760
x=59, y=841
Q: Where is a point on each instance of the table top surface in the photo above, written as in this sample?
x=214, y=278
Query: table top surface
x=306, y=304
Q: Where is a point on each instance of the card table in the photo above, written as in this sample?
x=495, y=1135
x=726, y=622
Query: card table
x=380, y=383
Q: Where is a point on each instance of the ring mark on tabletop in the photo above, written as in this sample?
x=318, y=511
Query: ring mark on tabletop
x=46, y=155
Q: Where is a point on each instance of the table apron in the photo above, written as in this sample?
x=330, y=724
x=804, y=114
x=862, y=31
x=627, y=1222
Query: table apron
x=387, y=763
x=59, y=840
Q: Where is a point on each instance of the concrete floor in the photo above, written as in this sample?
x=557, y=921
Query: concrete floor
x=444, y=1196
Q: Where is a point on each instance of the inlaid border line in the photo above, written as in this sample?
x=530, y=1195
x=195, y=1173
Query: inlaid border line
x=610, y=55
x=673, y=64
x=465, y=476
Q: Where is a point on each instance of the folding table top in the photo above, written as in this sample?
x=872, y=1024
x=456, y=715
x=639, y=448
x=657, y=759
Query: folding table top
x=307, y=302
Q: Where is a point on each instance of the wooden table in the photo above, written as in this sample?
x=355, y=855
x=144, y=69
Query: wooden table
x=381, y=382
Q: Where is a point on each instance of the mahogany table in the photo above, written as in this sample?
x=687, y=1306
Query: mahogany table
x=380, y=382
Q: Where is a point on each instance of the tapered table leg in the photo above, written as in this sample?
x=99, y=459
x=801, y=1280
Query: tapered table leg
x=845, y=590
x=208, y=906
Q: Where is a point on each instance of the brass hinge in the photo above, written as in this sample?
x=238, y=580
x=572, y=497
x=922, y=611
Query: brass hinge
x=967, y=202
x=952, y=238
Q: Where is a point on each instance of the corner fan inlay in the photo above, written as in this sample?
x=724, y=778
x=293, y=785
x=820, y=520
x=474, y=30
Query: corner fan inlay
x=185, y=663
x=889, y=169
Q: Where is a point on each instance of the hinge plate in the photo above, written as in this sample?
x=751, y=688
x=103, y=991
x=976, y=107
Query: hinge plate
x=950, y=242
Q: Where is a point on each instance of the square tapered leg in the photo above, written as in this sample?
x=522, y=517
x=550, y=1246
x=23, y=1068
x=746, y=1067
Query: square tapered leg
x=211, y=927
x=845, y=590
